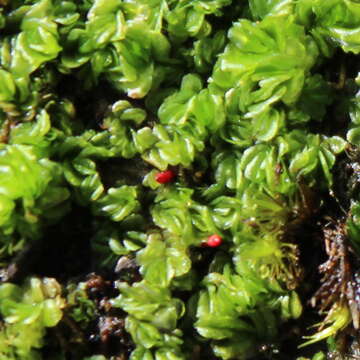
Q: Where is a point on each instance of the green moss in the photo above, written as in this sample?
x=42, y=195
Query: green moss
x=253, y=107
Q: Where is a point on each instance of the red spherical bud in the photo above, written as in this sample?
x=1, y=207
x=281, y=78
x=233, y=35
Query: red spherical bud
x=165, y=177
x=214, y=241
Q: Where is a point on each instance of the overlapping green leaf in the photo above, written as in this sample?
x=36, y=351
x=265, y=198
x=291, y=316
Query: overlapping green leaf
x=27, y=312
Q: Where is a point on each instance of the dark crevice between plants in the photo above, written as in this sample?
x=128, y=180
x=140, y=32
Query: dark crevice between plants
x=331, y=68
x=66, y=250
x=229, y=14
x=91, y=106
x=305, y=231
x=339, y=72
x=347, y=180
x=120, y=171
x=105, y=334
x=63, y=252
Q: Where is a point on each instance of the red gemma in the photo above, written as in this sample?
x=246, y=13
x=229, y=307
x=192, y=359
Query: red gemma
x=165, y=177
x=214, y=241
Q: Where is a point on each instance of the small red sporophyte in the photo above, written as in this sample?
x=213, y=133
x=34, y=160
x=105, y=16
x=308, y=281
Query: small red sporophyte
x=165, y=177
x=213, y=241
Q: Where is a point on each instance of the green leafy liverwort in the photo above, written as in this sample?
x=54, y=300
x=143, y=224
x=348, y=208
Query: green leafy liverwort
x=179, y=179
